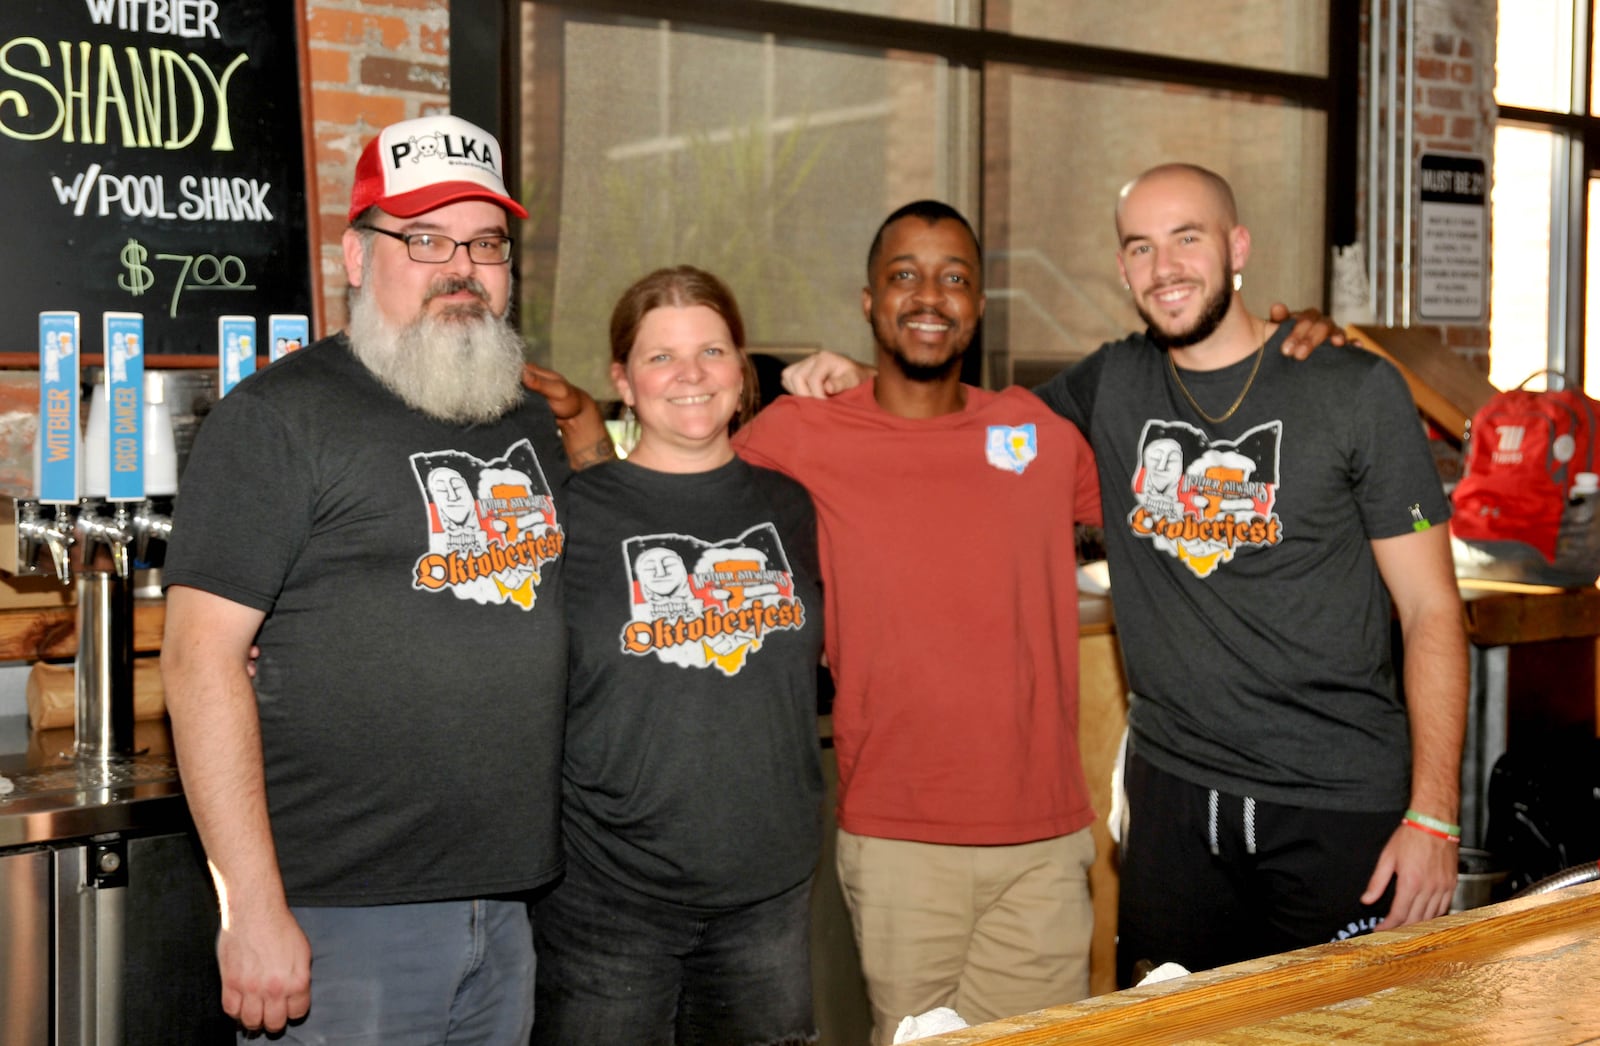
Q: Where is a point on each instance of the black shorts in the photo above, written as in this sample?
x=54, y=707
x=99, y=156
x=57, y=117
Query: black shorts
x=1209, y=878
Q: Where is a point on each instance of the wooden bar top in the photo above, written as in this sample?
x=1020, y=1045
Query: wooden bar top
x=1503, y=613
x=1498, y=613
x=1524, y=971
x=51, y=633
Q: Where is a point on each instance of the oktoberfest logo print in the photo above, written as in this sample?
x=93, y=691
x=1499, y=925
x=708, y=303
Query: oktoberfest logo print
x=491, y=525
x=1202, y=500
x=702, y=605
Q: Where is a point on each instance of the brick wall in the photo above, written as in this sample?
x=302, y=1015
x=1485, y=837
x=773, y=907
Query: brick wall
x=1454, y=97
x=1452, y=90
x=372, y=62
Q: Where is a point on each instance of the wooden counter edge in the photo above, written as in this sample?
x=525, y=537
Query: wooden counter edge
x=51, y=633
x=1497, y=613
x=1249, y=993
x=1507, y=615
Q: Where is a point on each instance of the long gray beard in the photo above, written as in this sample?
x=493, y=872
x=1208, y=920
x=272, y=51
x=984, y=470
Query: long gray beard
x=462, y=367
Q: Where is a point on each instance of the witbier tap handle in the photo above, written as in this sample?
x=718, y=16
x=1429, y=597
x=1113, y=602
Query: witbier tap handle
x=59, y=546
x=59, y=538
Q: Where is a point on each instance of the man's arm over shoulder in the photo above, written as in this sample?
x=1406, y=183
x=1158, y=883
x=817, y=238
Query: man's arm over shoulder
x=1311, y=329
x=823, y=374
x=583, y=430
x=776, y=436
x=1071, y=392
x=263, y=956
x=1418, y=571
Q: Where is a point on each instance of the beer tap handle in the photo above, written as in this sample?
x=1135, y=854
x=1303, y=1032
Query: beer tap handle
x=149, y=525
x=121, y=538
x=115, y=533
x=59, y=538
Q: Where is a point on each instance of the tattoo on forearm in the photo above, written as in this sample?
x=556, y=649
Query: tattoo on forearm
x=594, y=454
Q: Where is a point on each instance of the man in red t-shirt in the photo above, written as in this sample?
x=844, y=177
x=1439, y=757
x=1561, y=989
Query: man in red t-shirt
x=946, y=519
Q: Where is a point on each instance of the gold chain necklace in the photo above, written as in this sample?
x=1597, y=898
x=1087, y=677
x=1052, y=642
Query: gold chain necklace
x=1251, y=380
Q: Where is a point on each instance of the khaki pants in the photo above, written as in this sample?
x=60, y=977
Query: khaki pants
x=990, y=931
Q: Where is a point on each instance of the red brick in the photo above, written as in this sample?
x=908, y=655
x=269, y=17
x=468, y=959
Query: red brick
x=329, y=66
x=1429, y=123
x=345, y=36
x=348, y=107
x=338, y=147
x=1432, y=69
x=1444, y=43
x=334, y=188
x=400, y=75
x=433, y=41
x=333, y=223
x=1465, y=50
x=1463, y=72
x=1445, y=98
x=1465, y=127
x=374, y=32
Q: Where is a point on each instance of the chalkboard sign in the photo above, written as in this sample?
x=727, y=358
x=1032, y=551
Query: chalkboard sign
x=153, y=163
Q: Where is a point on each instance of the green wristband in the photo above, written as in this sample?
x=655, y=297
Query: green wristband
x=1453, y=830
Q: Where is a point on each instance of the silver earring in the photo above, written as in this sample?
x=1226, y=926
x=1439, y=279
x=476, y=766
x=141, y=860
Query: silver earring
x=628, y=436
x=1238, y=281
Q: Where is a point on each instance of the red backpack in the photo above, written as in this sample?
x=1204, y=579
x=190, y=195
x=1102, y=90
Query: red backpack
x=1524, y=452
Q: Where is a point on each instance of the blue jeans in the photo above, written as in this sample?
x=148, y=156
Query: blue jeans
x=454, y=972
x=617, y=968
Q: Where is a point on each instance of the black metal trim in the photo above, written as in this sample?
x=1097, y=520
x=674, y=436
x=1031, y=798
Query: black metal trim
x=1343, y=175
x=478, y=65
x=1574, y=122
x=964, y=46
x=483, y=57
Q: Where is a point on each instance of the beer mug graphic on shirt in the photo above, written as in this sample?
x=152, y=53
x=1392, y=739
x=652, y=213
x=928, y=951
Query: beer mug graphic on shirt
x=510, y=504
x=737, y=580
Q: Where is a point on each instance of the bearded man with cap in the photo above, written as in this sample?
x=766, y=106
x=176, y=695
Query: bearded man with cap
x=379, y=800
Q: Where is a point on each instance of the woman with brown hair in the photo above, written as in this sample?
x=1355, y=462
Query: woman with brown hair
x=691, y=780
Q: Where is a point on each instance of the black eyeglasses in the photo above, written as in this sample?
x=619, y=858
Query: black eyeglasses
x=432, y=249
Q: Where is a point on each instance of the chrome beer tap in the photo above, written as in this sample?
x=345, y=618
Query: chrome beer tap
x=152, y=522
x=34, y=532
x=114, y=532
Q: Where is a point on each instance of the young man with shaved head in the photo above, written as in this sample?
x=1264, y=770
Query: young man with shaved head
x=1281, y=791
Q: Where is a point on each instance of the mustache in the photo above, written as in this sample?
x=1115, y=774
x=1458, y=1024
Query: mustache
x=926, y=314
x=454, y=285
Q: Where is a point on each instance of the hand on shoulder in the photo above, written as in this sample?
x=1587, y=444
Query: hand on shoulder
x=824, y=374
x=1311, y=329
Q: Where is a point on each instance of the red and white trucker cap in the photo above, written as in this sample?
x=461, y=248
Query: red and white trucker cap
x=417, y=165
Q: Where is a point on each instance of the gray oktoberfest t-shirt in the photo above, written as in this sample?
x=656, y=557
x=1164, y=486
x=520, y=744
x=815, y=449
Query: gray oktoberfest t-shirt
x=412, y=676
x=1253, y=621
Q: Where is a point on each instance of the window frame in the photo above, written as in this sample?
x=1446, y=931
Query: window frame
x=1570, y=230
x=484, y=57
